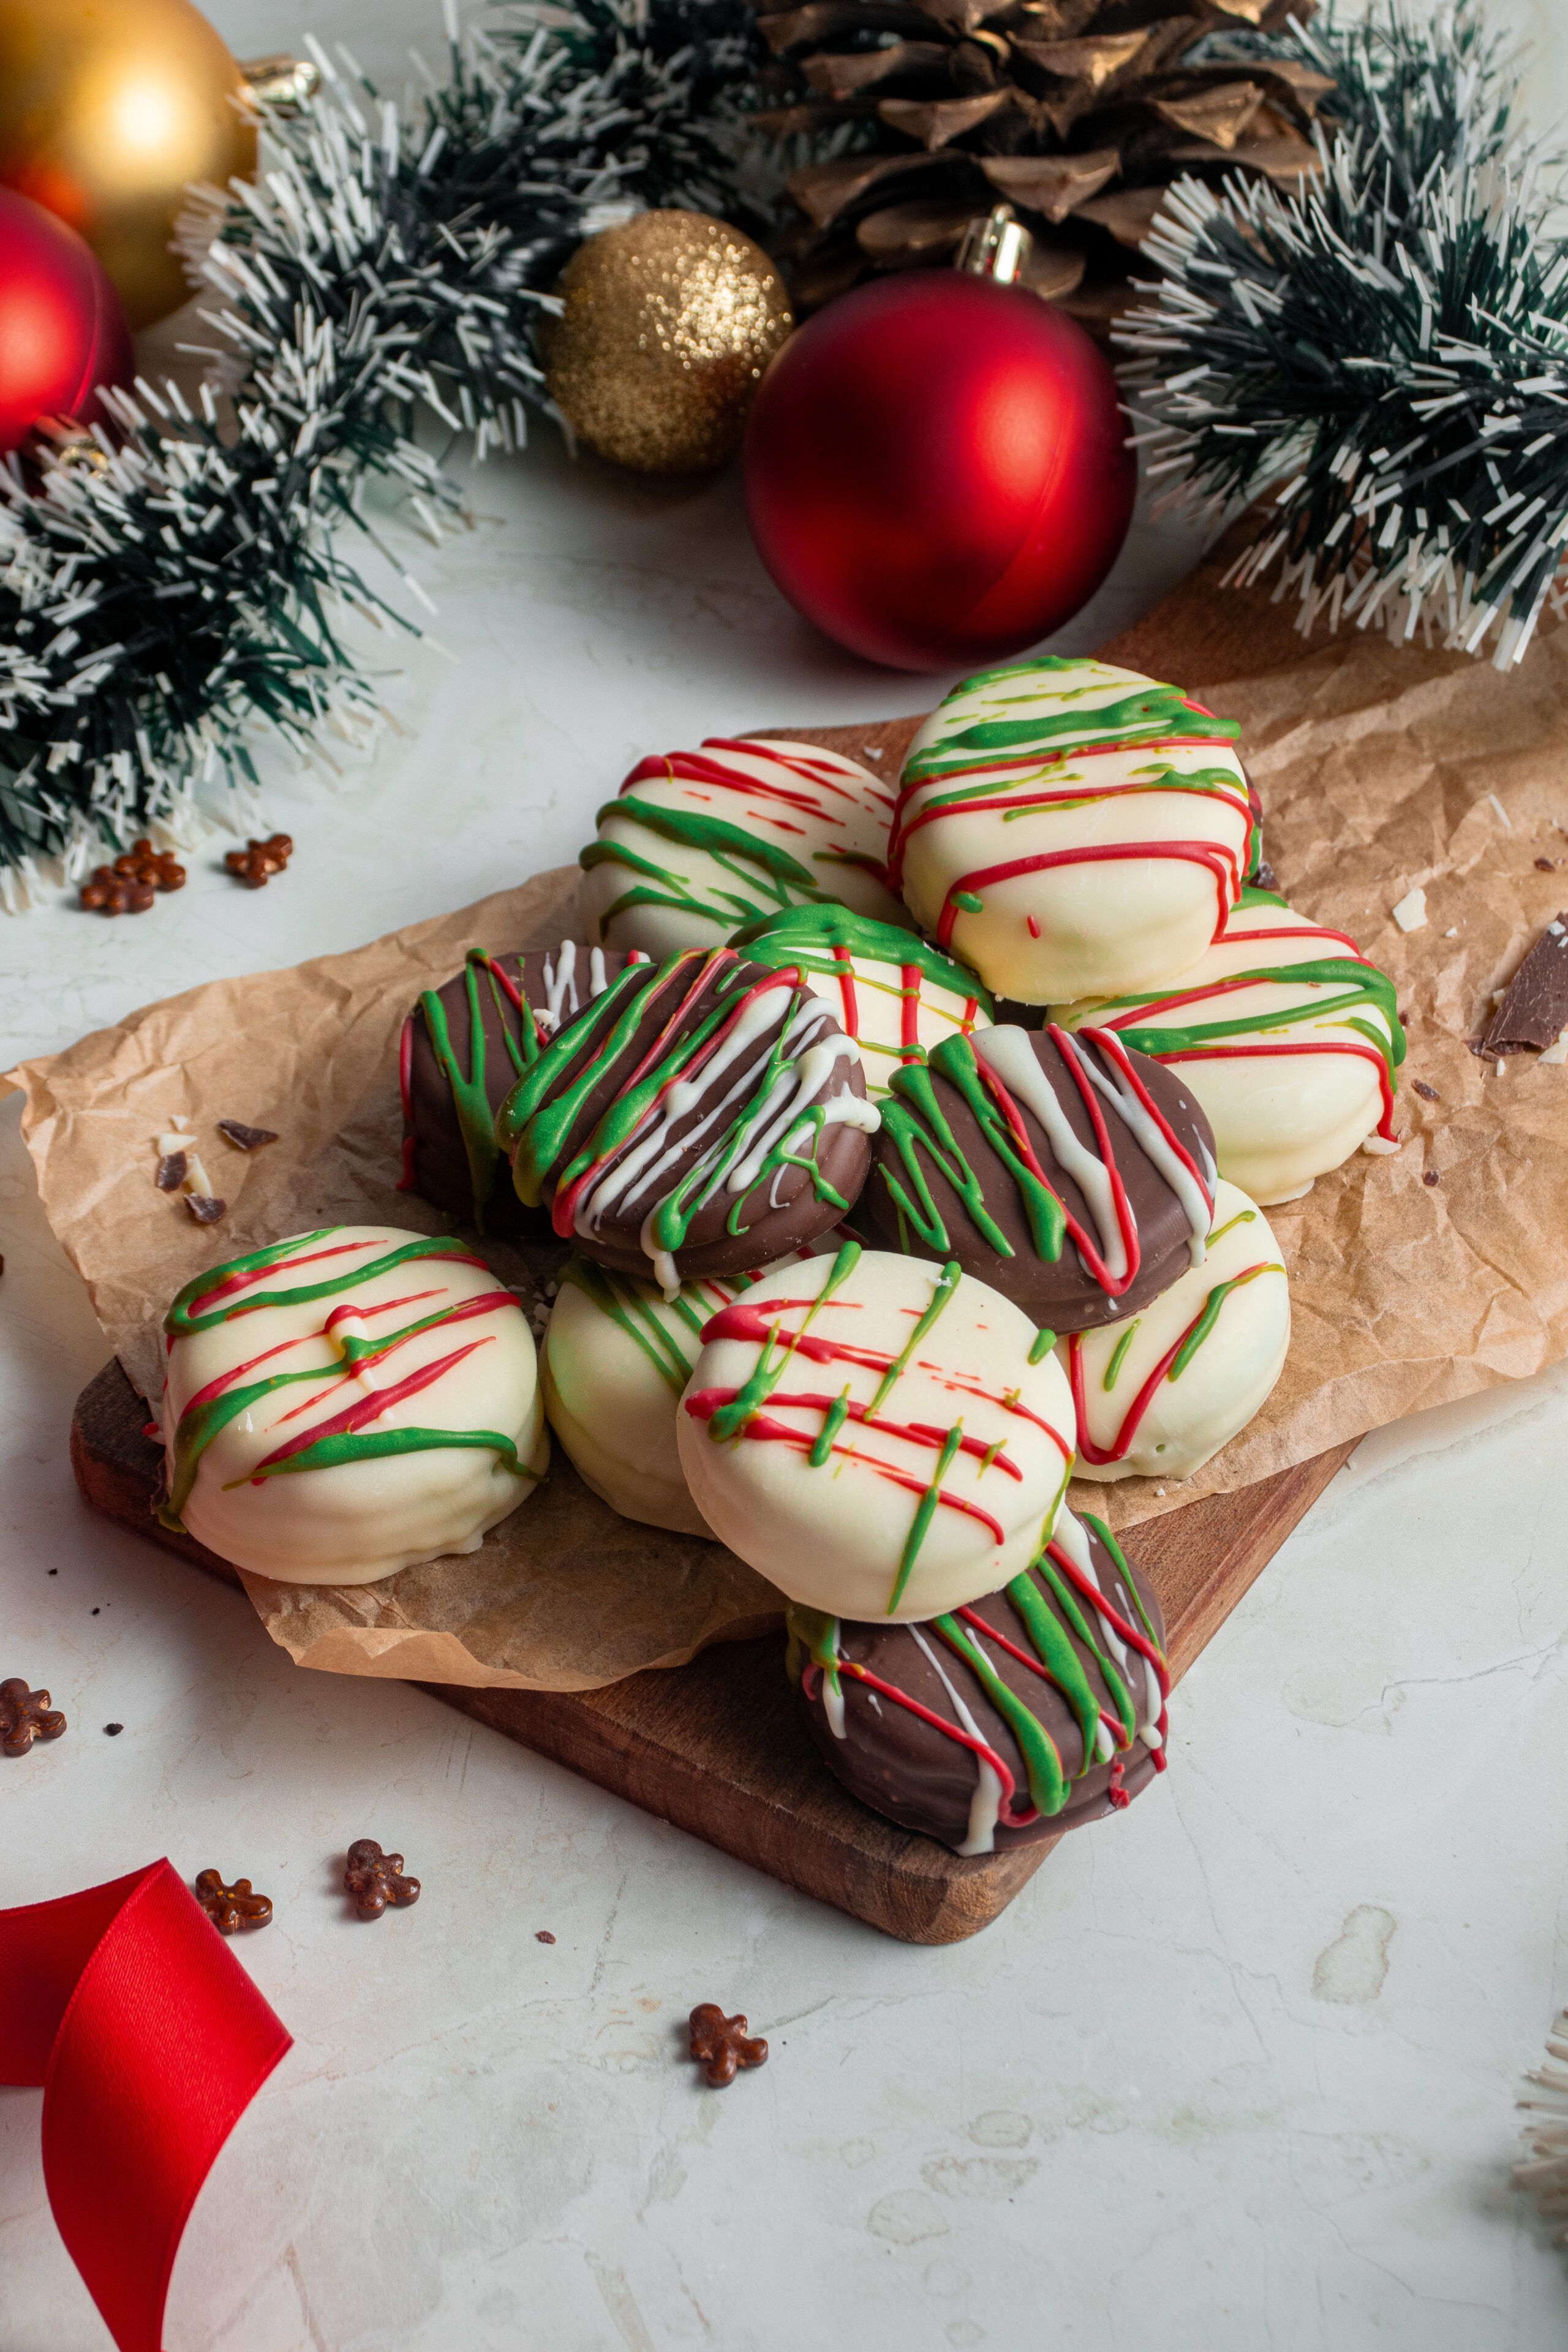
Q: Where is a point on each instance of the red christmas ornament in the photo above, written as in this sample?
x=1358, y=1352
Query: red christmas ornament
x=62, y=331
x=935, y=467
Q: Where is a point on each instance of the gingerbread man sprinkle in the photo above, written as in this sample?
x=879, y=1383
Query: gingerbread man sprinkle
x=375, y=1879
x=128, y=887
x=26, y=1715
x=721, y=2044
x=230, y=1908
x=255, y=864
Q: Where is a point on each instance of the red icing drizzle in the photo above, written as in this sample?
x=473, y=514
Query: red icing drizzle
x=1140, y=1406
x=1224, y=867
x=371, y=1407
x=691, y=767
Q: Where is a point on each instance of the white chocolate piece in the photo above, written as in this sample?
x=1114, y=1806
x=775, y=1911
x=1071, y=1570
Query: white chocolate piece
x=1136, y=881
x=825, y=817
x=1410, y=914
x=353, y=1521
x=616, y=1357
x=1280, y=1120
x=943, y=1450
x=1230, y=1373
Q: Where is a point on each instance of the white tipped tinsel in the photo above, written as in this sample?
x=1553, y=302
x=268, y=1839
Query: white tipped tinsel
x=1544, y=2171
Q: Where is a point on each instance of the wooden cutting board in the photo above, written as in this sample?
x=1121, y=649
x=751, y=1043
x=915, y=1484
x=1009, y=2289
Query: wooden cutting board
x=718, y=1747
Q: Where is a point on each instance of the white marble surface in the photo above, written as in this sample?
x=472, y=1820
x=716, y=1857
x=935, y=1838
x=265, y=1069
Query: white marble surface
x=1237, y=2070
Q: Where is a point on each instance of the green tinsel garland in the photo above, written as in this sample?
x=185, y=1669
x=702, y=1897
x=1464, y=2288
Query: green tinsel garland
x=1383, y=357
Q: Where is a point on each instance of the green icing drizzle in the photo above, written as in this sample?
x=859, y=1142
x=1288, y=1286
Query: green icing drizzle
x=947, y=1283
x=832, y=1421
x=925, y=1511
x=629, y=1305
x=757, y=865
x=1359, y=983
x=534, y=1120
x=374, y=1444
x=180, y=1323
x=1149, y=711
x=1040, y=1345
x=470, y=1101
x=1210, y=1316
x=1126, y=1339
x=913, y=1123
x=807, y=937
x=730, y=1419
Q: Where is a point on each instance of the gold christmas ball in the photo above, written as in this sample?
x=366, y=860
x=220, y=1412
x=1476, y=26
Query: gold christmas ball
x=108, y=108
x=669, y=322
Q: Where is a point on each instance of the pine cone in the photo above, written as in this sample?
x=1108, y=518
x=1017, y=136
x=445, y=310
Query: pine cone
x=1077, y=113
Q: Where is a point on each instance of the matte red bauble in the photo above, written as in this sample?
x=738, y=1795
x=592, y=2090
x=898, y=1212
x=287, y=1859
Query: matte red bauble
x=936, y=472
x=62, y=331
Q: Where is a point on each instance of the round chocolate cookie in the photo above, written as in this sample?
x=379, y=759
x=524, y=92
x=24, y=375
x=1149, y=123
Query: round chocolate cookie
x=464, y=1048
x=701, y=1116
x=1038, y=1708
x=1071, y=1173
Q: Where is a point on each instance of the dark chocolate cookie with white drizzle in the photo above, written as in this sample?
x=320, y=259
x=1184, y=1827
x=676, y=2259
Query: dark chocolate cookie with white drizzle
x=700, y=1117
x=464, y=1048
x=1029, y=1712
x=1071, y=1173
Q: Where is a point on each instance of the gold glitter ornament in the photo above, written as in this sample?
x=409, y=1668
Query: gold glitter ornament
x=669, y=322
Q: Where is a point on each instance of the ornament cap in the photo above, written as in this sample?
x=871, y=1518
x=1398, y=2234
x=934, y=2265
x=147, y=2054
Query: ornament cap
x=287, y=84
x=996, y=245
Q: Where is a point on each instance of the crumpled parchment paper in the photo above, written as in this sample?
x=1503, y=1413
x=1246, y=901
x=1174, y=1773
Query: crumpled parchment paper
x=1382, y=770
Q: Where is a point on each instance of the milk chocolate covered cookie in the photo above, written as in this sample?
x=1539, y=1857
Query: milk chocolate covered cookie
x=1029, y=1712
x=464, y=1048
x=1071, y=1173
x=699, y=1117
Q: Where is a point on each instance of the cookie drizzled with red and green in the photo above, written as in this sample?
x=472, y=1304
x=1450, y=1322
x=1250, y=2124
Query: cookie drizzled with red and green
x=1070, y=1172
x=1027, y=1713
x=700, y=1117
x=464, y=1047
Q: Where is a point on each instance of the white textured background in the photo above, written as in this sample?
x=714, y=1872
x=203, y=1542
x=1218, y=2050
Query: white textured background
x=1236, y=2071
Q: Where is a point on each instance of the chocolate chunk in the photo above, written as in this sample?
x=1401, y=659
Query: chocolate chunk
x=245, y=1138
x=113, y=1730
x=230, y=1908
x=375, y=1879
x=895, y=1709
x=1534, y=1010
x=204, y=1209
x=1427, y=1093
x=1431, y=1176
x=542, y=1935
x=26, y=1715
x=171, y=1171
x=721, y=2044
x=1546, y=865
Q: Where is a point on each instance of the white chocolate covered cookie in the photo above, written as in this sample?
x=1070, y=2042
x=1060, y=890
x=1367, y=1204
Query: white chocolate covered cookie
x=1069, y=829
x=617, y=1354
x=895, y=995
x=697, y=843
x=880, y=1436
x=1287, y=1038
x=348, y=1402
x=1156, y=1395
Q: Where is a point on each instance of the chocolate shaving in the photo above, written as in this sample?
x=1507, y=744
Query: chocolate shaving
x=1431, y=1176
x=1546, y=865
x=171, y=1171
x=1427, y=1093
x=1534, y=1009
x=204, y=1208
x=542, y=1935
x=246, y=1139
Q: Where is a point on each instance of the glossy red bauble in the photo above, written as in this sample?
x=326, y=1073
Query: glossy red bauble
x=62, y=331
x=936, y=470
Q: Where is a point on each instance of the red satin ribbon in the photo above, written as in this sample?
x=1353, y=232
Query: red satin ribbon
x=150, y=2041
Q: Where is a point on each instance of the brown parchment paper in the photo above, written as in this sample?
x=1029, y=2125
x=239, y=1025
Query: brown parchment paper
x=1381, y=769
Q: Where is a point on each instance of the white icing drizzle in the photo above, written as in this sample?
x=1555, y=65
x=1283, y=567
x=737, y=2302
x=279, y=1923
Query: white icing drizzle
x=1180, y=1177
x=561, y=1001
x=652, y=1165
x=832, y=1689
x=1011, y=1054
x=597, y=984
x=986, y=1803
x=1069, y=1534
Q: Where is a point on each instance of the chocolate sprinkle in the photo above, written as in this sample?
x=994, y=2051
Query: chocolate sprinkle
x=171, y=1171
x=1534, y=1012
x=1427, y=1093
x=205, y=1210
x=245, y=1138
